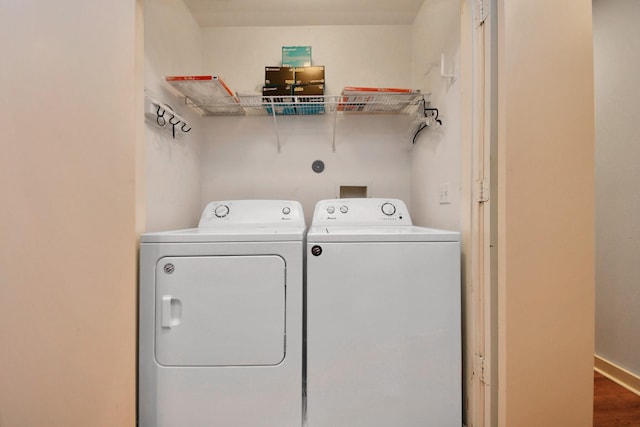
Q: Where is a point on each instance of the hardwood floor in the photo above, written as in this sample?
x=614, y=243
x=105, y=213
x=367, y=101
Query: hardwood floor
x=614, y=405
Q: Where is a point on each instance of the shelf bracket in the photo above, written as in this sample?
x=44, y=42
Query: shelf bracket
x=443, y=74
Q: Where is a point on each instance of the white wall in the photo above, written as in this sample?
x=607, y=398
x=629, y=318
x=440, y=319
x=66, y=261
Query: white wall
x=436, y=157
x=69, y=114
x=545, y=213
x=173, y=46
x=377, y=55
x=617, y=59
x=240, y=158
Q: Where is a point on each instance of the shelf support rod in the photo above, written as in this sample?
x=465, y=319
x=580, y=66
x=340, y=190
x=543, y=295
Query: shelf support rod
x=275, y=123
x=333, y=140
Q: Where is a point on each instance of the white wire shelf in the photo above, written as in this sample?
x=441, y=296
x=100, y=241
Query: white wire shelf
x=258, y=105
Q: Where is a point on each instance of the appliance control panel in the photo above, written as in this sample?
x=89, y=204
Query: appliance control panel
x=252, y=212
x=362, y=212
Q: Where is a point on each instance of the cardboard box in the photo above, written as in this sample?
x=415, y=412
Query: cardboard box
x=296, y=56
x=309, y=75
x=278, y=75
x=281, y=97
x=309, y=96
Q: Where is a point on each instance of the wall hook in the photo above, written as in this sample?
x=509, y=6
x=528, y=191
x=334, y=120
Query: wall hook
x=171, y=122
x=430, y=116
x=173, y=125
x=157, y=111
x=160, y=117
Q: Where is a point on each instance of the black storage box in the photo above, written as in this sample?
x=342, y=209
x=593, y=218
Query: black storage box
x=309, y=75
x=278, y=75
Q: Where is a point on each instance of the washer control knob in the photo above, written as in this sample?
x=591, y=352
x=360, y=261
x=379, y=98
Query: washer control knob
x=221, y=211
x=286, y=210
x=331, y=210
x=344, y=209
x=388, y=209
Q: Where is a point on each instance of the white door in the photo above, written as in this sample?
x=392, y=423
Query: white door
x=220, y=311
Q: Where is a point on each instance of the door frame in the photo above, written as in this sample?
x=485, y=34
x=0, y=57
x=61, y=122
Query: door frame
x=479, y=216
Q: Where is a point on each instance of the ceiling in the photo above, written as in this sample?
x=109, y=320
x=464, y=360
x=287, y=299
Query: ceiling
x=225, y=13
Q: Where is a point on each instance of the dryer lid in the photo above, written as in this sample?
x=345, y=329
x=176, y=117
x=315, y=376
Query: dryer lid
x=230, y=234
x=240, y=221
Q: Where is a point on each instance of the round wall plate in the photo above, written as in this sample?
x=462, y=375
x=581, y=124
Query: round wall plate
x=318, y=166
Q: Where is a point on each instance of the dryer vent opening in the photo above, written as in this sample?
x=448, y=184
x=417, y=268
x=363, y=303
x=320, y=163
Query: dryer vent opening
x=353, y=191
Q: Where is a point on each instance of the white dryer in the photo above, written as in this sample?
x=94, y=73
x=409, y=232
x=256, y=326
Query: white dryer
x=220, y=320
x=383, y=318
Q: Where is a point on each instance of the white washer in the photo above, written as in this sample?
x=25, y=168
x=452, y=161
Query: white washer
x=220, y=329
x=383, y=318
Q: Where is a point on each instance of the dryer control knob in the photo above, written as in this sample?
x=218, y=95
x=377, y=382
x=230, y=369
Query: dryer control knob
x=388, y=209
x=331, y=210
x=286, y=210
x=344, y=209
x=221, y=211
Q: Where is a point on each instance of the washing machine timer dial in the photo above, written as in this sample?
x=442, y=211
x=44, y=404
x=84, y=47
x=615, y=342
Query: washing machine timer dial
x=331, y=210
x=388, y=209
x=221, y=211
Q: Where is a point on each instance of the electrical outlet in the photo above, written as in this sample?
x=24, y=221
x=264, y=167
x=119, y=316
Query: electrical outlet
x=444, y=197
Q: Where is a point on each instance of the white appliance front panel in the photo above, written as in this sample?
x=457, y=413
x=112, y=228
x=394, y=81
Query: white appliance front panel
x=220, y=310
x=238, y=396
x=383, y=334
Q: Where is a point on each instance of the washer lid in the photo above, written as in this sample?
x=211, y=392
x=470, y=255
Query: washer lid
x=399, y=233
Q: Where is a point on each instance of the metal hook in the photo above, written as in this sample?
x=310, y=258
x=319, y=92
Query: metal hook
x=171, y=120
x=160, y=117
x=431, y=117
x=434, y=112
x=173, y=125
